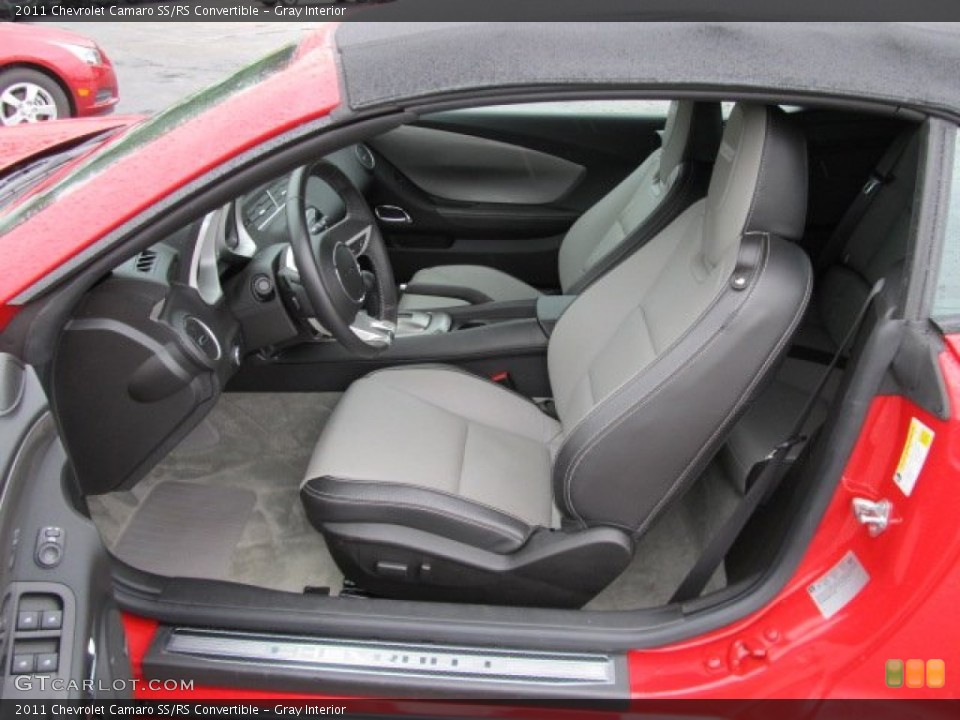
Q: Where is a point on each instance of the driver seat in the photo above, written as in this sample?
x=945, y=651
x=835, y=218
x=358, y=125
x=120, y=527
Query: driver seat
x=432, y=483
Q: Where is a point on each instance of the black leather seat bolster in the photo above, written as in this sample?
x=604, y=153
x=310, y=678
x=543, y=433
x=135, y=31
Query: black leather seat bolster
x=337, y=500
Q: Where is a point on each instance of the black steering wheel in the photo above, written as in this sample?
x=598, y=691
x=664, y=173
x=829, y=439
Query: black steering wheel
x=358, y=308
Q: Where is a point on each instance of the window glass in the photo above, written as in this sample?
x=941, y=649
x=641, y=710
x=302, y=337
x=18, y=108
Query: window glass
x=947, y=299
x=637, y=108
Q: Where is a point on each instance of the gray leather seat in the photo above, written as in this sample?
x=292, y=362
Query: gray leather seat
x=876, y=249
x=666, y=183
x=431, y=483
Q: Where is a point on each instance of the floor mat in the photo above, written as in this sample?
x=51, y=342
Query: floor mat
x=186, y=530
x=259, y=443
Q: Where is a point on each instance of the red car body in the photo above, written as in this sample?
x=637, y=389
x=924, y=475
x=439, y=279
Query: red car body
x=786, y=649
x=91, y=88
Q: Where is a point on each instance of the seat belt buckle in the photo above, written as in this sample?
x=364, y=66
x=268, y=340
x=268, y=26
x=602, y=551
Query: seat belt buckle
x=503, y=378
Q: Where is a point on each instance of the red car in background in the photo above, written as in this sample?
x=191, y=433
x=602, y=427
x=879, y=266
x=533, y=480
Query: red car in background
x=47, y=73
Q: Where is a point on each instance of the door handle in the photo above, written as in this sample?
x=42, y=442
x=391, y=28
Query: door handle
x=393, y=214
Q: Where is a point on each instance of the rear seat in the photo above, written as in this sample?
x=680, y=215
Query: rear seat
x=875, y=248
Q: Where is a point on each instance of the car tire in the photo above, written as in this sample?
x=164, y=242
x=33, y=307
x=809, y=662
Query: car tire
x=17, y=84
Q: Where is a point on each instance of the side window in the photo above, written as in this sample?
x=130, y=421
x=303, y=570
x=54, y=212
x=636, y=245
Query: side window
x=636, y=108
x=947, y=299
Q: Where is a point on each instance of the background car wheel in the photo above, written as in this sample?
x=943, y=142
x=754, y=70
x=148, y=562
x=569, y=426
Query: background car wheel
x=28, y=96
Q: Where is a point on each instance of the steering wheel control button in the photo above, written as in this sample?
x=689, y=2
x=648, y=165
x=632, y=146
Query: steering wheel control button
x=202, y=338
x=348, y=272
x=23, y=664
x=49, y=550
x=51, y=620
x=28, y=620
x=262, y=287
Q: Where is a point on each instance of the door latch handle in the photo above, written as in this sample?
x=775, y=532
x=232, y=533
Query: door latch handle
x=876, y=515
x=393, y=214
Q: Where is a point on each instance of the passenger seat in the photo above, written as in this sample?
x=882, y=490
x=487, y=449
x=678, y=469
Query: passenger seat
x=876, y=248
x=671, y=179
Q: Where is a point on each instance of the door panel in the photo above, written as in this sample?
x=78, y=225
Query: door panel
x=501, y=186
x=477, y=170
x=59, y=621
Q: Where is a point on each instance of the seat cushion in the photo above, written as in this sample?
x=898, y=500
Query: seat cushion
x=493, y=285
x=437, y=449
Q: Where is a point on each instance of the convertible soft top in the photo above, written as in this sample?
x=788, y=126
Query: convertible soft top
x=389, y=63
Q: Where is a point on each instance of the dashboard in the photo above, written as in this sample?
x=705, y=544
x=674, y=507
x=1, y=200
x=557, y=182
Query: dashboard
x=157, y=339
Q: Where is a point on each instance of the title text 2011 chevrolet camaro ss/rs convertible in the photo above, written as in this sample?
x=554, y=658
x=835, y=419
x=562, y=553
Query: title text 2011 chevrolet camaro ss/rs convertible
x=563, y=361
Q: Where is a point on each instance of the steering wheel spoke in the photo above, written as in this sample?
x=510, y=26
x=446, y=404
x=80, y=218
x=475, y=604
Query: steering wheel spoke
x=360, y=241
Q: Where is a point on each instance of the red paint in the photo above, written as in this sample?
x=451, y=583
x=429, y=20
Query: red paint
x=36, y=45
x=907, y=610
x=787, y=650
x=7, y=313
x=160, y=167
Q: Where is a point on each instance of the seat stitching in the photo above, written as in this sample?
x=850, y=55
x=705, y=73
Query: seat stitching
x=616, y=392
x=471, y=376
x=615, y=422
x=322, y=495
x=784, y=339
x=445, y=493
x=463, y=456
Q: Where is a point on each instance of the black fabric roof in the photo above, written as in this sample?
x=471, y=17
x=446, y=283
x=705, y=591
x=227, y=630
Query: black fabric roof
x=389, y=63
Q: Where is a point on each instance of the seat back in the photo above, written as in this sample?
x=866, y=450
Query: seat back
x=653, y=363
x=666, y=183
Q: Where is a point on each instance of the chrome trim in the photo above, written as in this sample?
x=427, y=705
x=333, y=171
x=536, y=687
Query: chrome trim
x=246, y=245
x=204, y=274
x=876, y=515
x=477, y=665
x=208, y=331
x=364, y=237
x=290, y=264
x=420, y=322
x=373, y=331
x=399, y=215
x=365, y=156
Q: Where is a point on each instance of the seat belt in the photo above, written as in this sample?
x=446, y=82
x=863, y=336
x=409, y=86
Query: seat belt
x=764, y=477
x=880, y=176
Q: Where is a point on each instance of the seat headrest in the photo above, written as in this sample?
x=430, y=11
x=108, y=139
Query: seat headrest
x=759, y=181
x=692, y=132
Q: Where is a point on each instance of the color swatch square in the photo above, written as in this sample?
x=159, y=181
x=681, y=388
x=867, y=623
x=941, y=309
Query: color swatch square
x=894, y=673
x=936, y=674
x=915, y=673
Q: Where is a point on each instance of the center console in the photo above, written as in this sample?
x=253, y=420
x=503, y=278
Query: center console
x=503, y=340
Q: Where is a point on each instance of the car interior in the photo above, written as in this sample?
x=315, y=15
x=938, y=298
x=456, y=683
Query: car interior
x=526, y=355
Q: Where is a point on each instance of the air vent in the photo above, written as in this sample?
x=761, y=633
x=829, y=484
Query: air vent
x=146, y=260
x=365, y=156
